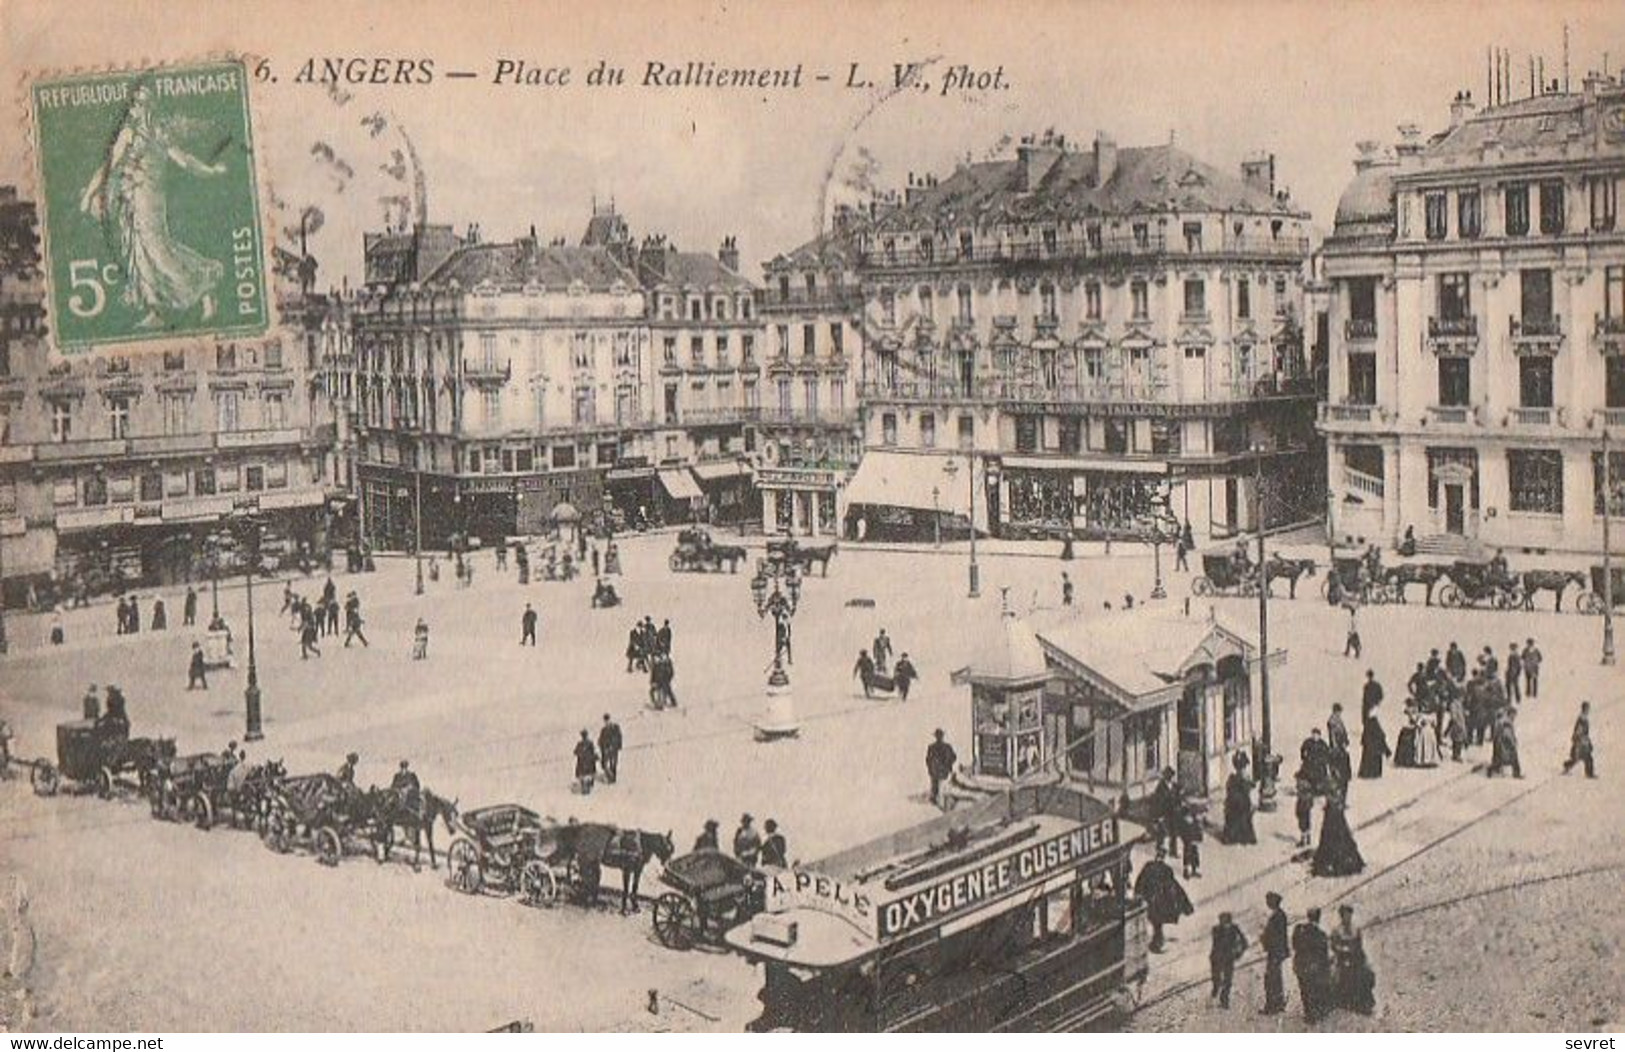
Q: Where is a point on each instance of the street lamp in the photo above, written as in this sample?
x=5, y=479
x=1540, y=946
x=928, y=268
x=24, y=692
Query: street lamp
x=250, y=531
x=936, y=517
x=1610, y=492
x=417, y=520
x=1266, y=786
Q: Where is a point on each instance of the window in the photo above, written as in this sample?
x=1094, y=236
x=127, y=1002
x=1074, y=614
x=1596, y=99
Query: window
x=836, y=342
x=1517, y=209
x=225, y=357
x=1535, y=481
x=1151, y=741
x=671, y=403
x=966, y=315
x=696, y=349
x=95, y=490
x=809, y=340
x=1139, y=300
x=276, y=409
x=967, y=244
x=722, y=350
x=888, y=429
x=273, y=355
x=564, y=456
x=1615, y=485
x=928, y=430
x=1049, y=240
x=118, y=417
x=61, y=420
x=1536, y=295
x=695, y=307
x=1244, y=298
x=65, y=494
x=1613, y=369
x=967, y=432
x=809, y=391
x=837, y=393
x=1613, y=293
x=1116, y=435
x=1535, y=381
x=1195, y=297
x=1469, y=214
x=889, y=247
x=584, y=406
x=747, y=349
x=1455, y=381
x=580, y=351
x=1604, y=202
x=1551, y=207
x=783, y=389
x=928, y=249
x=254, y=478
x=1142, y=235
x=1091, y=301
x=1046, y=302
x=1363, y=301
x=174, y=361
x=1092, y=236
x=1436, y=210
x=623, y=348
x=1455, y=297
x=276, y=475
x=668, y=350
x=227, y=479
x=1193, y=237
x=205, y=482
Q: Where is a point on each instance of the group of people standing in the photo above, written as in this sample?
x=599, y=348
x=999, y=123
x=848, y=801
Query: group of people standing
x=314, y=620
x=648, y=649
x=871, y=669
x=606, y=755
x=129, y=614
x=755, y=848
x=1331, y=969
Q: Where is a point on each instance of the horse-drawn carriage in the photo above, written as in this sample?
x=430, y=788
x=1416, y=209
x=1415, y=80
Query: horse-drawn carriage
x=788, y=553
x=710, y=893
x=1593, y=600
x=1224, y=574
x=512, y=849
x=100, y=753
x=698, y=552
x=1349, y=579
x=1474, y=584
x=190, y=788
x=325, y=811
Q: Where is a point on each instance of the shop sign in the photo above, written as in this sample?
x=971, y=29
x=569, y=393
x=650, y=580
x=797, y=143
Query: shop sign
x=994, y=879
x=796, y=888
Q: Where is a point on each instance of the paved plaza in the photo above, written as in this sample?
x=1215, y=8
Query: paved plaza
x=293, y=945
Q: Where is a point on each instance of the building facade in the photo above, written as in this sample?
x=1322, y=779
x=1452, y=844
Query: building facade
x=1065, y=340
x=1477, y=309
x=115, y=468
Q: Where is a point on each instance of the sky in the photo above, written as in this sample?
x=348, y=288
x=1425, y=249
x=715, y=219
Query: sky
x=1226, y=80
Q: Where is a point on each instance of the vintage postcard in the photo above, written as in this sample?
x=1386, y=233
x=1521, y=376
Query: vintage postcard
x=750, y=518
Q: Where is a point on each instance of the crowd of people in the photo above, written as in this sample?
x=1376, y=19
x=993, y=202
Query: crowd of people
x=648, y=650
x=874, y=672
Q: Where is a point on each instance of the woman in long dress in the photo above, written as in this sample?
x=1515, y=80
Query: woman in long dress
x=128, y=194
x=1238, y=805
x=1337, y=855
x=1373, y=748
x=1354, y=984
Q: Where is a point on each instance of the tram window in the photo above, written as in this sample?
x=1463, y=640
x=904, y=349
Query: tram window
x=1059, y=912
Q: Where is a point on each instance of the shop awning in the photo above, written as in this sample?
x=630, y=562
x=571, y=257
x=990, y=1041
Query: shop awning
x=921, y=481
x=723, y=469
x=680, y=484
x=1117, y=464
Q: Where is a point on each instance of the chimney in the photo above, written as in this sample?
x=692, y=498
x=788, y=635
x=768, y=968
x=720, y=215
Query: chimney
x=1259, y=173
x=1105, y=159
x=728, y=254
x=1461, y=108
x=1410, y=141
x=1034, y=159
x=652, y=256
x=1370, y=151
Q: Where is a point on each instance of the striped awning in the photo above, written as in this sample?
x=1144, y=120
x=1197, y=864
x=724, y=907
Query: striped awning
x=680, y=484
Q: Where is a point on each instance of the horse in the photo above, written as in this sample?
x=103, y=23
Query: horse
x=390, y=809
x=1398, y=577
x=1554, y=581
x=593, y=848
x=1291, y=569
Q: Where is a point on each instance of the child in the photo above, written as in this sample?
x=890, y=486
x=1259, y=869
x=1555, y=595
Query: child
x=420, y=640
x=1190, y=840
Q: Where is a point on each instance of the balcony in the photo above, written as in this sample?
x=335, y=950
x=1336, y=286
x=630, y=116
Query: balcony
x=1609, y=335
x=1611, y=417
x=1451, y=415
x=1360, y=329
x=487, y=371
x=1531, y=416
x=1090, y=248
x=1536, y=335
x=724, y=414
x=1454, y=336
x=812, y=300
x=1331, y=413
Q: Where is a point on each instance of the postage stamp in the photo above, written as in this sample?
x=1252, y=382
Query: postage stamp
x=149, y=206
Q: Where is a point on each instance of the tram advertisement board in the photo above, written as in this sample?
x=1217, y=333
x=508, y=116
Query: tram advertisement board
x=995, y=878
x=791, y=888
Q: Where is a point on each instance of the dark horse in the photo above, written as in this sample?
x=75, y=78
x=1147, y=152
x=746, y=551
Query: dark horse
x=1554, y=581
x=1399, y=577
x=1291, y=569
x=594, y=848
x=390, y=809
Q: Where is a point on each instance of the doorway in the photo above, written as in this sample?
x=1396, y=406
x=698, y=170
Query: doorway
x=1455, y=508
x=1190, y=726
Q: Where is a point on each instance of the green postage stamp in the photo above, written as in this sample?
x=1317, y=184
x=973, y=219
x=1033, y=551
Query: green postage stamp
x=149, y=206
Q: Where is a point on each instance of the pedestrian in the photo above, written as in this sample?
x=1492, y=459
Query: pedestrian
x=940, y=759
x=196, y=672
x=1455, y=727
x=1514, y=673
x=1276, y=943
x=1337, y=735
x=347, y=768
x=634, y=650
x=92, y=704
x=1371, y=694
x=1188, y=826
x=1504, y=748
x=864, y=671
x=1066, y=589
x=904, y=675
x=1455, y=663
x=663, y=638
x=1165, y=901
x=420, y=640
x=1312, y=965
x=1228, y=945
x=330, y=605
x=1351, y=642
x=1167, y=811
x=586, y=763
x=1353, y=983
x=1238, y=804
x=1531, y=669
x=58, y=633
x=882, y=651
x=595, y=560
x=307, y=641
x=1580, y=751
x=189, y=607
x=135, y=615
x=160, y=616
x=775, y=852
x=707, y=840
x=502, y=557
x=353, y=620
x=1337, y=855
x=1182, y=549
x=609, y=749
x=1373, y=747
x=747, y=842
x=527, y=628
x=1304, y=808
x=287, y=597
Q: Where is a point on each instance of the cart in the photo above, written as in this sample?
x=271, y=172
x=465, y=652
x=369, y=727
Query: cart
x=508, y=849
x=190, y=788
x=697, y=552
x=99, y=753
x=1478, y=584
x=1224, y=575
x=1592, y=601
x=711, y=892
x=322, y=810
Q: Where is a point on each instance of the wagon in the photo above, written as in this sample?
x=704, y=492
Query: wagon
x=99, y=753
x=1349, y=581
x=509, y=849
x=697, y=552
x=1223, y=574
x=1591, y=601
x=788, y=553
x=321, y=809
x=190, y=788
x=1478, y=584
x=711, y=892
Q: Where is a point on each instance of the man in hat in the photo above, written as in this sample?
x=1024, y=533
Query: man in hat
x=707, y=840
x=1228, y=945
x=196, y=671
x=1580, y=743
x=407, y=785
x=940, y=759
x=1277, y=949
x=1312, y=965
x=527, y=627
x=347, y=769
x=92, y=703
x=1165, y=900
x=881, y=651
x=1514, y=673
x=904, y=675
x=609, y=749
x=747, y=842
x=1531, y=669
x=586, y=763
x=775, y=852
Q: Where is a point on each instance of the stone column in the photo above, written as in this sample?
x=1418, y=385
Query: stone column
x=813, y=513
x=770, y=511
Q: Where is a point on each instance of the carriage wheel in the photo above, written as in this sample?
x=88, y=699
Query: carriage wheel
x=277, y=833
x=383, y=842
x=675, y=562
x=104, y=783
x=1201, y=586
x=1509, y=599
x=463, y=865
x=46, y=781
x=201, y=810
x=329, y=846
x=1588, y=603
x=538, y=886
x=676, y=921
x=1450, y=596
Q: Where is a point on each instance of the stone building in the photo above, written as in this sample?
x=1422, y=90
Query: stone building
x=1477, y=316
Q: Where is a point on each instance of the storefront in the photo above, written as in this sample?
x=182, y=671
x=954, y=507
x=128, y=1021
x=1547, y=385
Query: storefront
x=679, y=497
x=730, y=495
x=803, y=502
x=897, y=496
x=1095, y=497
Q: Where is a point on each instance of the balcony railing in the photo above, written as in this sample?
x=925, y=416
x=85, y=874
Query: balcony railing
x=1366, y=485
x=483, y=371
x=1453, y=327
x=1609, y=335
x=1450, y=414
x=1103, y=248
x=1613, y=417
x=1096, y=392
x=1360, y=329
x=819, y=298
x=722, y=414
x=1527, y=416
x=1536, y=328
x=1349, y=414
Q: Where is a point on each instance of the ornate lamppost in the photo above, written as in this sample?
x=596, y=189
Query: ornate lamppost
x=1611, y=491
x=250, y=530
x=1262, y=763
x=781, y=605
